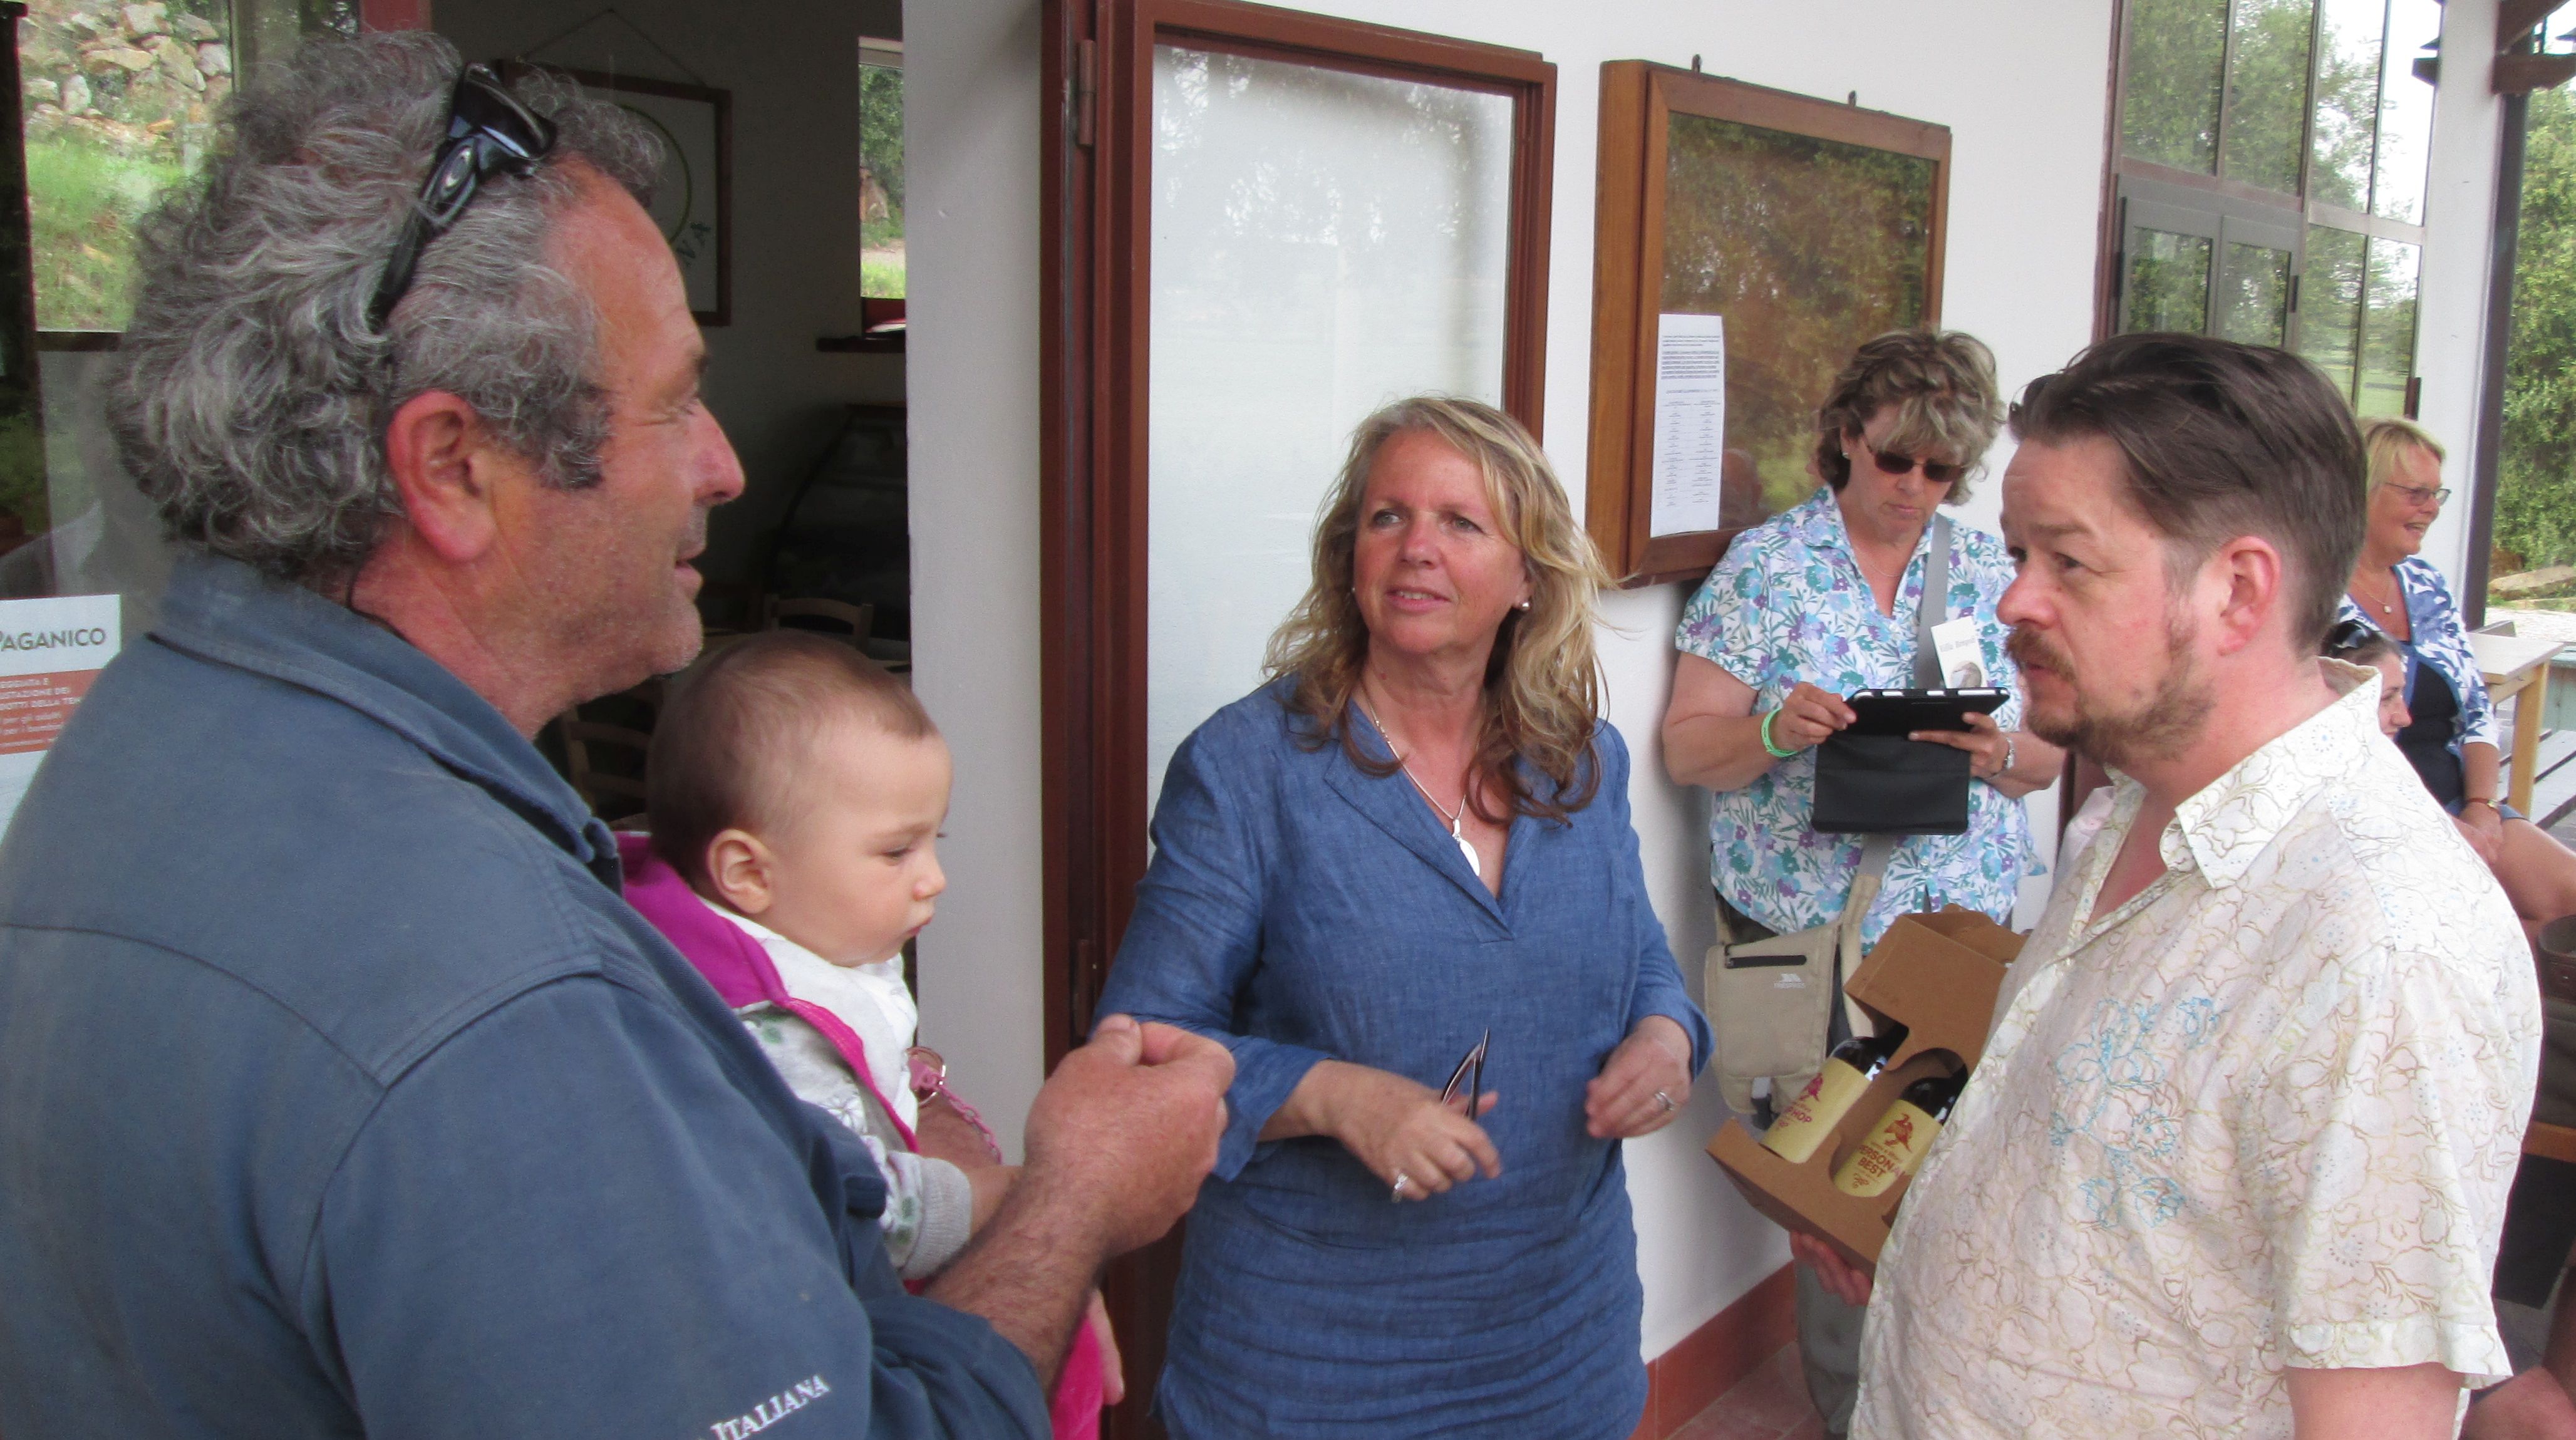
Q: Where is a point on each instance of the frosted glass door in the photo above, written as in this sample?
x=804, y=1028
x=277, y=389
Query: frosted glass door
x=1323, y=242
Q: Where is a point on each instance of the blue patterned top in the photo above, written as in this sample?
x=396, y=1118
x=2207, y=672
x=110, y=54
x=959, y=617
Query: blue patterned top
x=1788, y=603
x=2442, y=641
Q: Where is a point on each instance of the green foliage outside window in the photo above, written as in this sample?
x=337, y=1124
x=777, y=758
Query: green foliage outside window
x=2535, y=502
x=881, y=182
x=2175, y=50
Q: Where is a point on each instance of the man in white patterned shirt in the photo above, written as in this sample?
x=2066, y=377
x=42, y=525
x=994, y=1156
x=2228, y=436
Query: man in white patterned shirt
x=2235, y=1161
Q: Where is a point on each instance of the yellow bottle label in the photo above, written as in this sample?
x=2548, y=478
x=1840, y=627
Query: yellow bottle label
x=1810, y=1119
x=1894, y=1148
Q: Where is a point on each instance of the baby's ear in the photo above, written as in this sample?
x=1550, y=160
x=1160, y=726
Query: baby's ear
x=739, y=870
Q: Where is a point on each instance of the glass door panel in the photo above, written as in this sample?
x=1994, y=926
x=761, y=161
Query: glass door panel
x=1323, y=242
x=2254, y=294
x=2166, y=286
x=2387, y=328
x=2330, y=303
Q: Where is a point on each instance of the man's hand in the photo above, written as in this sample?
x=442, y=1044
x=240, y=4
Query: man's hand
x=1846, y=1284
x=1128, y=1126
x=1118, y=1141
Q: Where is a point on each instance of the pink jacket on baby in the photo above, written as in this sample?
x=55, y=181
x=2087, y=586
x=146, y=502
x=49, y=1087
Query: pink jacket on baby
x=742, y=975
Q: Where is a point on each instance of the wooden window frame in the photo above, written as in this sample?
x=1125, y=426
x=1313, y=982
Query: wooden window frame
x=1095, y=284
x=1638, y=100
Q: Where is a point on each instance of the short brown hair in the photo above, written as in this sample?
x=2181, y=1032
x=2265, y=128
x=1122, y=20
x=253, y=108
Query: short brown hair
x=726, y=742
x=1940, y=383
x=2219, y=439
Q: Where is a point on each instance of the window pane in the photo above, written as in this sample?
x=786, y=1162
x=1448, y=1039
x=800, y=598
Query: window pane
x=2388, y=329
x=119, y=103
x=2405, y=112
x=2254, y=300
x=2348, y=44
x=2167, y=283
x=2169, y=112
x=2267, y=93
x=2330, y=303
x=1323, y=243
x=881, y=182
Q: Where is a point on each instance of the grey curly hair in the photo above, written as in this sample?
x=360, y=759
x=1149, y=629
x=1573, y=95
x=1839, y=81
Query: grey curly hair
x=250, y=396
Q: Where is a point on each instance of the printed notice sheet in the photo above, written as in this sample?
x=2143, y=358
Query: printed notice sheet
x=50, y=651
x=1690, y=424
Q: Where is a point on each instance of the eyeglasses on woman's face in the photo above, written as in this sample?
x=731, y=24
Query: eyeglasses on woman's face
x=2417, y=495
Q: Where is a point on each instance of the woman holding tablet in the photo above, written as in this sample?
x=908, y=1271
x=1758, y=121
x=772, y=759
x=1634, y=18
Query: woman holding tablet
x=1820, y=601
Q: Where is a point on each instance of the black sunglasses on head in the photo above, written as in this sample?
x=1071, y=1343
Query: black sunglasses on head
x=487, y=130
x=1939, y=472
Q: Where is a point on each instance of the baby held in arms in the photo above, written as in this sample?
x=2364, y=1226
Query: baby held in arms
x=796, y=794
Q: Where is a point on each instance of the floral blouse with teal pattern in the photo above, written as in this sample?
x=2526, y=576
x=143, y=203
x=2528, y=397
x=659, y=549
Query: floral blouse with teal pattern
x=1788, y=604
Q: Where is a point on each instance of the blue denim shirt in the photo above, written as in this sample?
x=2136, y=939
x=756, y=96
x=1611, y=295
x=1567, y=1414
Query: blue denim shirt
x=1299, y=908
x=340, y=1093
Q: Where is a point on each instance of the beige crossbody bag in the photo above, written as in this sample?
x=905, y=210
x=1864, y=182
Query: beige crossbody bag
x=1770, y=1001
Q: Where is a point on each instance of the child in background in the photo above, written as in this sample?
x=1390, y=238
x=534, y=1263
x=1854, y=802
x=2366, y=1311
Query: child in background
x=796, y=792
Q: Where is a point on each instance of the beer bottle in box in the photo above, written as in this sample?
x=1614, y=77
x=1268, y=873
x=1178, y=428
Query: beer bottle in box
x=1896, y=1144
x=1810, y=1119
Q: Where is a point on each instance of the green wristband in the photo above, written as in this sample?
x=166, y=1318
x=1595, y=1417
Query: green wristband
x=1776, y=752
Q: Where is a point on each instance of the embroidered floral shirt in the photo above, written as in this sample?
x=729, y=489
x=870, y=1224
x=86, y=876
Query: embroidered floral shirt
x=2263, y=1114
x=1788, y=603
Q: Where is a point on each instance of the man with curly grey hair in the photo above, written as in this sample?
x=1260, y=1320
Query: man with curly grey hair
x=340, y=1093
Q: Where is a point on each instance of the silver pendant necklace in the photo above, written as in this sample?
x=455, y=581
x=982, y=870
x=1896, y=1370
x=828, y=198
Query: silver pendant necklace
x=1457, y=818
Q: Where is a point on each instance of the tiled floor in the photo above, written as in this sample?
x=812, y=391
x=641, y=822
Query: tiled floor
x=1769, y=1404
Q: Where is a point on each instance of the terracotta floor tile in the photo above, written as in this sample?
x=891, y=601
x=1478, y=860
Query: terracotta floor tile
x=1769, y=1404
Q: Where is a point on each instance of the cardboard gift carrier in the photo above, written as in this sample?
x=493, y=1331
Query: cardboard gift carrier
x=1935, y=974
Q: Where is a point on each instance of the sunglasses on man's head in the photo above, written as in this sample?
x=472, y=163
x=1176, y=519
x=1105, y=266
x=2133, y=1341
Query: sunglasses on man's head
x=1939, y=472
x=487, y=130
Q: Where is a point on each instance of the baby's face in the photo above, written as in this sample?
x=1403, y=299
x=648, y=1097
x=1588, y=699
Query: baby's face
x=2392, y=693
x=857, y=873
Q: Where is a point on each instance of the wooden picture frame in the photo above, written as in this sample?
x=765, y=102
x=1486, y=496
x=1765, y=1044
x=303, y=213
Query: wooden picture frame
x=1840, y=146
x=694, y=203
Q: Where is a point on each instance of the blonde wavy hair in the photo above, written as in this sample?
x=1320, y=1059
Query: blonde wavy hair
x=1543, y=682
x=2388, y=439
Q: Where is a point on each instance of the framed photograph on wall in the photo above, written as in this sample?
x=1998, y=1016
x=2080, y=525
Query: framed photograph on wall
x=694, y=202
x=1746, y=241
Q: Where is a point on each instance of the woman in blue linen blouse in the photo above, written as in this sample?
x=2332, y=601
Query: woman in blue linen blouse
x=1415, y=837
x=2451, y=737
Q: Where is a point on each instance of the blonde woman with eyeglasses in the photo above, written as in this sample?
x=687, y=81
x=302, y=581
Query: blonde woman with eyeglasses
x=2451, y=738
x=1399, y=883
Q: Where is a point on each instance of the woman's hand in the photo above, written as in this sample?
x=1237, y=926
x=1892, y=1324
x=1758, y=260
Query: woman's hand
x=2483, y=827
x=1987, y=745
x=1397, y=1128
x=1807, y=716
x=1846, y=1284
x=1643, y=1084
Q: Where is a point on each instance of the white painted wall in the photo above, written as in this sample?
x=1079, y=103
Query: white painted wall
x=2459, y=212
x=2023, y=85
x=792, y=66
